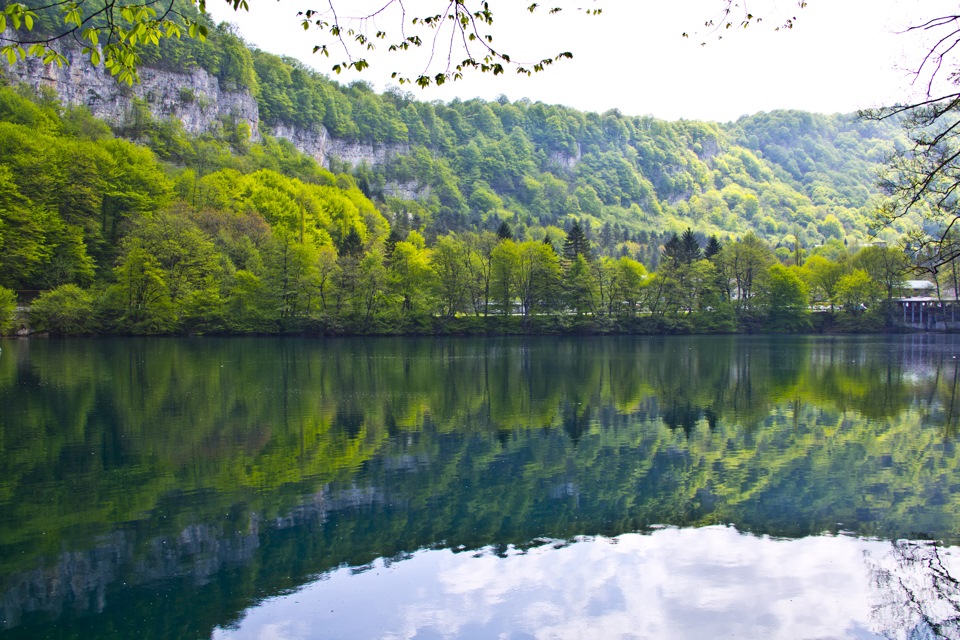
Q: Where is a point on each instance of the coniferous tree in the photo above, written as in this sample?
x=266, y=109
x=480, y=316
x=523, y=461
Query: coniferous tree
x=352, y=244
x=504, y=232
x=576, y=244
x=713, y=247
x=673, y=251
x=691, y=251
x=392, y=240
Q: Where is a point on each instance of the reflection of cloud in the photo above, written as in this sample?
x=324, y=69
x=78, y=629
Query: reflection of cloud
x=283, y=631
x=673, y=584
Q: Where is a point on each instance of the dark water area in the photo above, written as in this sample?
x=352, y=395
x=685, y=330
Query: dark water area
x=649, y=487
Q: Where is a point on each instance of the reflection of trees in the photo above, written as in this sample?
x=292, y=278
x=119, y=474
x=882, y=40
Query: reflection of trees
x=142, y=407
x=918, y=596
x=472, y=442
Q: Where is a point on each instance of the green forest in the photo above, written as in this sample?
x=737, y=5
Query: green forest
x=502, y=216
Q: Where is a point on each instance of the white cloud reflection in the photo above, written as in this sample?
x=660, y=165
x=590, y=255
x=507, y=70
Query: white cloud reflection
x=671, y=584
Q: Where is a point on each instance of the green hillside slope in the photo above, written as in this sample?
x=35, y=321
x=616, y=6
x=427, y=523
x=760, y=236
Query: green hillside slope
x=163, y=231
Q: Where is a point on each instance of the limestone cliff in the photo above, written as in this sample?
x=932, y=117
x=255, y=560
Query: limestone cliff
x=194, y=97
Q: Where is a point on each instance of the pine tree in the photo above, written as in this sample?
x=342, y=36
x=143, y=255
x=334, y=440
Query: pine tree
x=713, y=247
x=673, y=251
x=576, y=244
x=351, y=244
x=503, y=231
x=691, y=251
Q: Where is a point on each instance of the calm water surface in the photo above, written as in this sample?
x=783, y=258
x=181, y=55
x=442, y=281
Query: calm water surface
x=772, y=487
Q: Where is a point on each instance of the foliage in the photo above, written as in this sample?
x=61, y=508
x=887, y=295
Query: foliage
x=576, y=244
x=8, y=310
x=66, y=310
x=921, y=176
x=114, y=34
x=205, y=235
x=785, y=299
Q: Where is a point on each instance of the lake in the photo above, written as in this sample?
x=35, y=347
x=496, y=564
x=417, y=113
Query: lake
x=596, y=487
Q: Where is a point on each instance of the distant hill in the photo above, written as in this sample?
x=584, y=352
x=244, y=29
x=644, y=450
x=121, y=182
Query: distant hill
x=234, y=191
x=474, y=164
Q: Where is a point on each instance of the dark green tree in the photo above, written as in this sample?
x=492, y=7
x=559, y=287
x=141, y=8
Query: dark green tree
x=673, y=252
x=689, y=247
x=504, y=232
x=576, y=244
x=351, y=244
x=713, y=247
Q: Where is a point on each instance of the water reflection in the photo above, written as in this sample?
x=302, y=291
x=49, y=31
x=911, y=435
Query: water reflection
x=179, y=482
x=670, y=584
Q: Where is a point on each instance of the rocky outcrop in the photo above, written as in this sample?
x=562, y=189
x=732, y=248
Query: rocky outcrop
x=566, y=161
x=406, y=190
x=193, y=97
x=318, y=143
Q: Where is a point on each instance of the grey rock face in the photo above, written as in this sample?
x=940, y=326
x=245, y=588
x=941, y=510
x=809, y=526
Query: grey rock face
x=193, y=97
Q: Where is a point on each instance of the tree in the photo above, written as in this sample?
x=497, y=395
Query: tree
x=140, y=301
x=580, y=288
x=682, y=250
x=784, y=299
x=576, y=244
x=822, y=275
x=504, y=265
x=691, y=251
x=887, y=266
x=504, y=232
x=672, y=251
x=923, y=176
x=411, y=274
x=537, y=277
x=856, y=292
x=626, y=286
x=480, y=247
x=66, y=310
x=744, y=264
x=8, y=310
x=290, y=279
x=450, y=261
x=713, y=247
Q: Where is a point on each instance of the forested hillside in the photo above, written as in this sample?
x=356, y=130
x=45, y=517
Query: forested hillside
x=482, y=208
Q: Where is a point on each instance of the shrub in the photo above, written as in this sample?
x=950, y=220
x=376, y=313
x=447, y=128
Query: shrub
x=66, y=310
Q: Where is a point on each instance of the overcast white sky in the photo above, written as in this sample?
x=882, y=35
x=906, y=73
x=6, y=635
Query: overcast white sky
x=841, y=55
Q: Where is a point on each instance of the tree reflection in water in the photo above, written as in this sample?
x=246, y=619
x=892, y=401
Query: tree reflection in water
x=918, y=597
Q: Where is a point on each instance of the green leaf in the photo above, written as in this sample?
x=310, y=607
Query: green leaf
x=92, y=36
